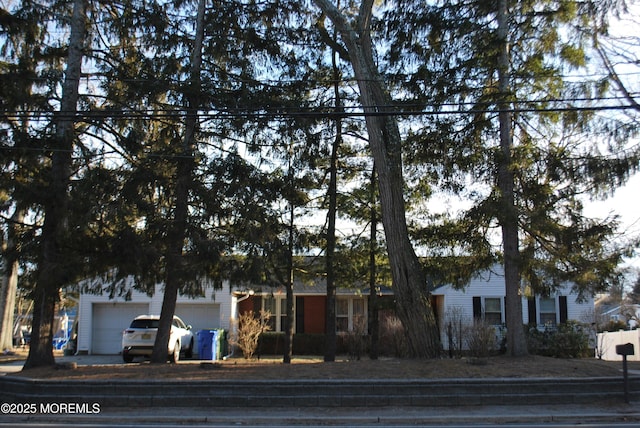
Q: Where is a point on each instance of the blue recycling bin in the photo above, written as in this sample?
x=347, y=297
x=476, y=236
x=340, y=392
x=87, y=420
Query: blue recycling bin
x=208, y=344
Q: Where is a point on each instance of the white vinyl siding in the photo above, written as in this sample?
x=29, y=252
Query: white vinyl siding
x=490, y=285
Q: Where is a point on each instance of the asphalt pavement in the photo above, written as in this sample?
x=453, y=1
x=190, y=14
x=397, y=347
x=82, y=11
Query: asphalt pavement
x=592, y=415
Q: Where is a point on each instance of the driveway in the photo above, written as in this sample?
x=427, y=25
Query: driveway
x=13, y=366
x=7, y=367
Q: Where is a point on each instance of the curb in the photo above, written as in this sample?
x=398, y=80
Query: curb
x=344, y=393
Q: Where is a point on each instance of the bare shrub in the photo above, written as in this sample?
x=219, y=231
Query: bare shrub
x=480, y=338
x=356, y=340
x=247, y=330
x=455, y=325
x=392, y=337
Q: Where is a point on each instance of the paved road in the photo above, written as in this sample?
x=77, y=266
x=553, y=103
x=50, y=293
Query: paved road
x=504, y=416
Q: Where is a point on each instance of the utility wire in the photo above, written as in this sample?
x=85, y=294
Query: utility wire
x=354, y=111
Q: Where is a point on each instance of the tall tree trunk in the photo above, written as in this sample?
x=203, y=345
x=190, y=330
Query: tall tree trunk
x=289, y=320
x=9, y=286
x=330, y=330
x=51, y=265
x=516, y=340
x=412, y=296
x=177, y=233
x=374, y=321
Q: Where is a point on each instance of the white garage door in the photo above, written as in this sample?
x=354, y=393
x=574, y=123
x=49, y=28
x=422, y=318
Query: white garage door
x=201, y=316
x=109, y=319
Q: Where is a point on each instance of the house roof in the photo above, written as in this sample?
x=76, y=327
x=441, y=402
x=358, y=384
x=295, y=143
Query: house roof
x=615, y=309
x=314, y=289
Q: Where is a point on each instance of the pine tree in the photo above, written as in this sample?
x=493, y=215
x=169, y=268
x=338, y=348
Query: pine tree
x=51, y=270
x=461, y=149
x=20, y=162
x=414, y=307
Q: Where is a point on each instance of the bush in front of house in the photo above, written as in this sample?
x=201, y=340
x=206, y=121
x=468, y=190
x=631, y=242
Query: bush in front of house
x=567, y=340
x=247, y=331
x=456, y=325
x=613, y=325
x=480, y=338
x=308, y=344
x=272, y=343
x=393, y=341
x=352, y=344
x=357, y=341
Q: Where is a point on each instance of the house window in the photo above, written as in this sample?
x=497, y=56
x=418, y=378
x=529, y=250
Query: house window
x=269, y=305
x=493, y=310
x=359, y=318
x=488, y=309
x=548, y=311
x=342, y=315
x=277, y=307
x=351, y=314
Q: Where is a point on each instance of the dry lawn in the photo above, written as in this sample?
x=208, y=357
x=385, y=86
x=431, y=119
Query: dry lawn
x=315, y=368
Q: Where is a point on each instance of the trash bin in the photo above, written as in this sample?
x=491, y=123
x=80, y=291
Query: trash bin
x=222, y=343
x=209, y=346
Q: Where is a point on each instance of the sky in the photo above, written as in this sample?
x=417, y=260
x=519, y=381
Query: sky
x=626, y=203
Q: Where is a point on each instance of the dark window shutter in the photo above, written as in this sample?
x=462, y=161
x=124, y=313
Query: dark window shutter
x=504, y=300
x=299, y=314
x=562, y=301
x=531, y=304
x=477, y=308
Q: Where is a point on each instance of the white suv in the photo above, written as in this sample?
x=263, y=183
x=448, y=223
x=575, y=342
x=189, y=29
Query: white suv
x=139, y=338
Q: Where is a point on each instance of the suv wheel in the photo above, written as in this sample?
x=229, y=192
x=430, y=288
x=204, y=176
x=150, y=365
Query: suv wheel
x=189, y=352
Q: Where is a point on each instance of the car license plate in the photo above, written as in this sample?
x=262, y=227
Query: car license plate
x=146, y=336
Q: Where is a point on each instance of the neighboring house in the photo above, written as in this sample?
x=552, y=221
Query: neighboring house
x=102, y=320
x=627, y=313
x=484, y=298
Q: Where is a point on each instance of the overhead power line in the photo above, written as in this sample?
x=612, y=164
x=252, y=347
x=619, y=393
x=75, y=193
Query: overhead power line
x=283, y=113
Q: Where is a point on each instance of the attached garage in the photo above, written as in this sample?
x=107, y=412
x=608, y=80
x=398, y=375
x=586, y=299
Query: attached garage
x=109, y=319
x=201, y=316
x=101, y=318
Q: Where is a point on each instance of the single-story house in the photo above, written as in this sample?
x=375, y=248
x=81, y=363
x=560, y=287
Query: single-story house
x=101, y=320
